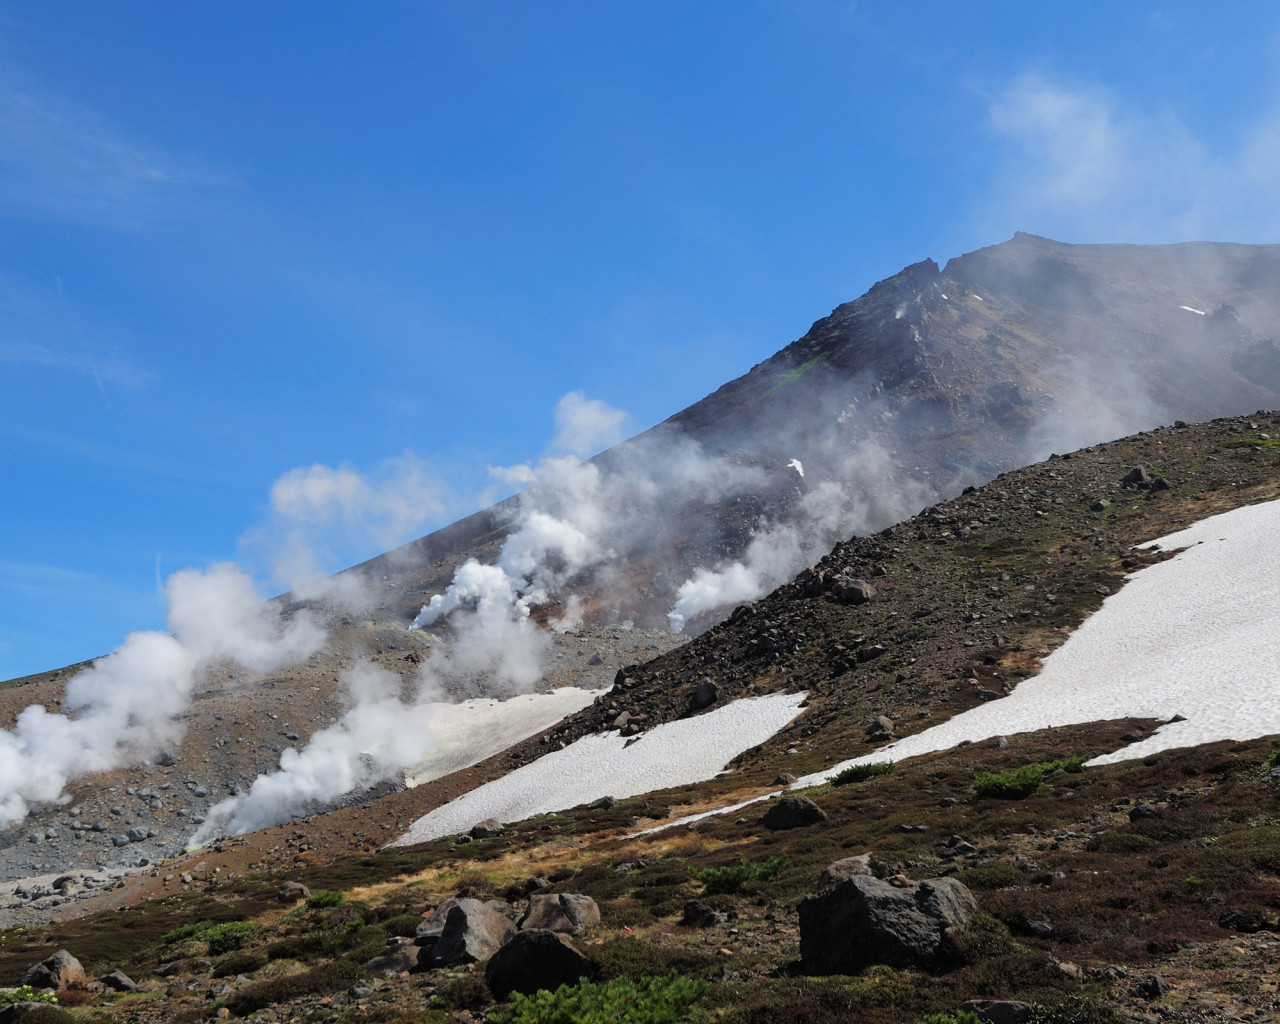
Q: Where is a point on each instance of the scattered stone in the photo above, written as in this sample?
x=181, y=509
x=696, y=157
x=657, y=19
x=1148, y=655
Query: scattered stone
x=839, y=870
x=704, y=695
x=400, y=955
x=166, y=759
x=880, y=729
x=999, y=1011
x=792, y=812
x=1145, y=811
x=863, y=921
x=698, y=915
x=536, y=959
x=360, y=990
x=1040, y=929
x=118, y=981
x=433, y=924
x=568, y=912
x=1136, y=477
x=604, y=803
x=485, y=829
x=1153, y=987
x=289, y=891
x=787, y=779
x=848, y=590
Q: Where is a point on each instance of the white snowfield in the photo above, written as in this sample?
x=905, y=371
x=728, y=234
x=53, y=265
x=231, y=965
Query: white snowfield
x=673, y=754
x=466, y=733
x=1197, y=635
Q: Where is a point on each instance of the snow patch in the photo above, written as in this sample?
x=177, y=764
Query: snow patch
x=472, y=730
x=797, y=465
x=1197, y=635
x=673, y=754
x=1190, y=309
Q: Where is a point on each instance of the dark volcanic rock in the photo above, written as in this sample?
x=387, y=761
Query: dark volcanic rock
x=698, y=915
x=536, y=959
x=865, y=921
x=849, y=867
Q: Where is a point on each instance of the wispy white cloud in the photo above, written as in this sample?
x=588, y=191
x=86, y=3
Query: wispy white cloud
x=42, y=327
x=64, y=161
x=1081, y=162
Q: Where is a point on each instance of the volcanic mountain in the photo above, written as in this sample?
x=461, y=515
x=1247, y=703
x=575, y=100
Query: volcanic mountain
x=933, y=381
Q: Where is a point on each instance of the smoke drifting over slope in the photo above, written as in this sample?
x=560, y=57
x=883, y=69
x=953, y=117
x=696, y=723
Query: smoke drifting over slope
x=126, y=705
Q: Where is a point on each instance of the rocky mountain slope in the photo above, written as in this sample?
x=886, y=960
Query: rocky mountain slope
x=1089, y=886
x=934, y=380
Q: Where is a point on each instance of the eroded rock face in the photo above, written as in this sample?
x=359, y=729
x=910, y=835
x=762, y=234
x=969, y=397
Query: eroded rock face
x=535, y=959
x=864, y=921
x=568, y=912
x=473, y=930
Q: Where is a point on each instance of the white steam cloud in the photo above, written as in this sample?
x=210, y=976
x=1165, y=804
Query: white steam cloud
x=1082, y=162
x=867, y=495
x=323, y=518
x=127, y=704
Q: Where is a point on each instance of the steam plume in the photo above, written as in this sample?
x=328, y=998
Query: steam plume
x=126, y=705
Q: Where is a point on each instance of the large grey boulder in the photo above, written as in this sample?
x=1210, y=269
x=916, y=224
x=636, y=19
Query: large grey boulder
x=792, y=812
x=568, y=912
x=473, y=930
x=864, y=921
x=59, y=971
x=536, y=959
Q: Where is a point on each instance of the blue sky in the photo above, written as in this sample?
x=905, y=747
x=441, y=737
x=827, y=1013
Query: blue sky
x=241, y=241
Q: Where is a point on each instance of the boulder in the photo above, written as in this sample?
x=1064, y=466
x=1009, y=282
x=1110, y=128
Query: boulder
x=433, y=924
x=567, y=912
x=881, y=728
x=792, y=812
x=485, y=829
x=704, y=695
x=59, y=971
x=1136, y=477
x=863, y=921
x=118, y=981
x=847, y=590
x=400, y=955
x=698, y=915
x=536, y=959
x=291, y=892
x=999, y=1011
x=837, y=871
x=473, y=930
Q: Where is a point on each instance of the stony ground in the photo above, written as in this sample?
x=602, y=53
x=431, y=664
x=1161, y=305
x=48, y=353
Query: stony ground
x=969, y=595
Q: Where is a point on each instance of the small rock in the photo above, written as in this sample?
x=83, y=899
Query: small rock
x=1153, y=987
x=118, y=981
x=999, y=1011
x=698, y=915
x=289, y=891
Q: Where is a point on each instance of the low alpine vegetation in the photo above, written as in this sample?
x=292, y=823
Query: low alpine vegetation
x=734, y=877
x=861, y=773
x=1019, y=783
x=620, y=1001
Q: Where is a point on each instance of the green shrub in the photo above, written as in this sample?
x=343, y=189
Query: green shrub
x=25, y=994
x=322, y=898
x=953, y=1017
x=229, y=936
x=861, y=773
x=1018, y=783
x=732, y=877
x=335, y=976
x=620, y=1001
x=220, y=938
